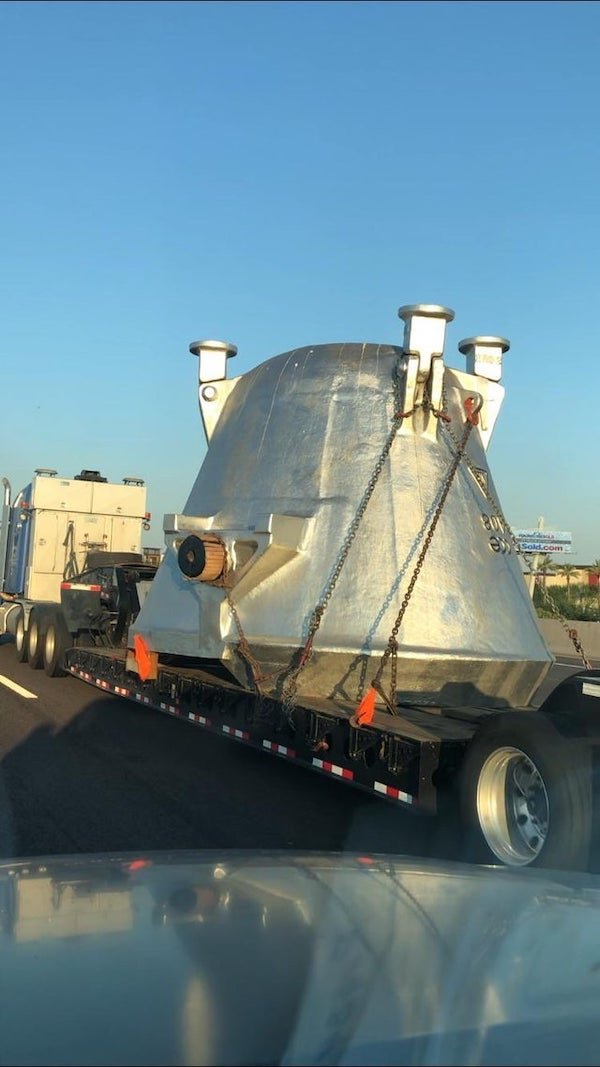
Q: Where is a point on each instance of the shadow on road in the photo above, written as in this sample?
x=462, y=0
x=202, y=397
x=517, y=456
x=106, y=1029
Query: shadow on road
x=117, y=777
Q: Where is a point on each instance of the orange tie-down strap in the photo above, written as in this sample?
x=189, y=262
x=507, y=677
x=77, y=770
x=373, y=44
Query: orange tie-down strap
x=142, y=659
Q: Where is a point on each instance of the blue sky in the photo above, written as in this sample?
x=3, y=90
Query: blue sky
x=279, y=174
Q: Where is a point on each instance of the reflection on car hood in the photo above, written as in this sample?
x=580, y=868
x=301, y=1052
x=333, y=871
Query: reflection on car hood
x=238, y=958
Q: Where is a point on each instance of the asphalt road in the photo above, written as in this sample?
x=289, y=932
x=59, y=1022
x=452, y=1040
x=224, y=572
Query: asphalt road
x=82, y=771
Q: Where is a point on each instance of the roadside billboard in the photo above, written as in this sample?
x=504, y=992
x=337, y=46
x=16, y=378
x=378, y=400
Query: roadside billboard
x=540, y=541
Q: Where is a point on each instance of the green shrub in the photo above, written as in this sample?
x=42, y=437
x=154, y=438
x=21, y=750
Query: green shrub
x=581, y=604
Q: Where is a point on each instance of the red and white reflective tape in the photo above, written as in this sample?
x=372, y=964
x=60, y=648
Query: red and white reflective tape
x=332, y=768
x=231, y=732
x=79, y=587
x=101, y=684
x=193, y=717
x=391, y=791
x=242, y=735
x=279, y=750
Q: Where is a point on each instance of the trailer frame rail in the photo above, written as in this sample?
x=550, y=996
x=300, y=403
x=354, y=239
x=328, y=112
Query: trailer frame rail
x=400, y=768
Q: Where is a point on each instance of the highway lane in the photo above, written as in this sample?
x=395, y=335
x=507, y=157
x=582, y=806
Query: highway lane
x=81, y=771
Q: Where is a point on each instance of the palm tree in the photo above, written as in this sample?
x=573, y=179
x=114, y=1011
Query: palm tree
x=595, y=570
x=545, y=566
x=567, y=570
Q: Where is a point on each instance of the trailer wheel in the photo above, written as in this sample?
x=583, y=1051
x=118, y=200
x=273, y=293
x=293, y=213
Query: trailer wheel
x=526, y=793
x=56, y=639
x=35, y=643
x=21, y=637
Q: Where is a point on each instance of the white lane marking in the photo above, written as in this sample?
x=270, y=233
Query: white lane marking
x=8, y=682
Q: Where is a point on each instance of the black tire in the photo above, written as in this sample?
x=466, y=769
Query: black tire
x=56, y=641
x=35, y=640
x=526, y=794
x=21, y=637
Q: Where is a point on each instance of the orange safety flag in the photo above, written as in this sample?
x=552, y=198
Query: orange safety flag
x=366, y=709
x=141, y=652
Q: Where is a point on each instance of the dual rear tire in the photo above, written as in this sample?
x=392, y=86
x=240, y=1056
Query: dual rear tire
x=44, y=642
x=35, y=639
x=56, y=642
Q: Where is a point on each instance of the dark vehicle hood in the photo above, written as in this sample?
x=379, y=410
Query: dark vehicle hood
x=239, y=958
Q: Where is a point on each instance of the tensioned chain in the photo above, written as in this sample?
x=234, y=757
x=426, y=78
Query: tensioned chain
x=257, y=676
x=494, y=504
x=571, y=631
x=391, y=650
x=304, y=653
x=291, y=680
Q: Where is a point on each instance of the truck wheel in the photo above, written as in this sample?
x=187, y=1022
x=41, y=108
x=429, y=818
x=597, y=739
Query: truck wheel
x=56, y=640
x=35, y=644
x=21, y=637
x=526, y=793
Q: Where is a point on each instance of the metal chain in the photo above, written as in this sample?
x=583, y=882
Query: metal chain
x=391, y=649
x=494, y=504
x=476, y=471
x=258, y=677
x=499, y=514
x=304, y=653
x=291, y=680
x=571, y=631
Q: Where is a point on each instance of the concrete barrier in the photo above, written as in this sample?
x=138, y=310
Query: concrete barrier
x=560, y=644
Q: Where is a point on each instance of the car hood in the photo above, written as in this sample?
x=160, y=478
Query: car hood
x=239, y=958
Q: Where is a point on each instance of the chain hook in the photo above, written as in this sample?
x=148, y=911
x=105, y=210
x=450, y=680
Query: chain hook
x=473, y=405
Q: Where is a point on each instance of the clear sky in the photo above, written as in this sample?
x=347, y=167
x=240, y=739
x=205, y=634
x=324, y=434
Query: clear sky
x=279, y=174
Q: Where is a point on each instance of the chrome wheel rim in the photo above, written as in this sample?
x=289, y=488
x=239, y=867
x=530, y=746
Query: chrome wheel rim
x=512, y=806
x=20, y=634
